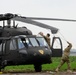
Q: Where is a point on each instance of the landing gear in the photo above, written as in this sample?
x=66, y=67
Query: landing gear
x=3, y=64
x=38, y=67
x=1, y=67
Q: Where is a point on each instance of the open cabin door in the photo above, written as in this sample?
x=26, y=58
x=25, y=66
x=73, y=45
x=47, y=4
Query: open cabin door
x=57, y=47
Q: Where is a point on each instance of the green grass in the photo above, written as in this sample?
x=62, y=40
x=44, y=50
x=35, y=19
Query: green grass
x=45, y=67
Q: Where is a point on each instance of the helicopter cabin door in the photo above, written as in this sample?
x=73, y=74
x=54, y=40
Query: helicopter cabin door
x=56, y=47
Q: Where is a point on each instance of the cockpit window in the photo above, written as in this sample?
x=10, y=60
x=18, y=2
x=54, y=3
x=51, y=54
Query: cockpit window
x=20, y=44
x=38, y=41
x=24, y=43
x=33, y=41
x=29, y=42
x=41, y=41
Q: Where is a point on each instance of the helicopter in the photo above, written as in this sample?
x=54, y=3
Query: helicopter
x=18, y=45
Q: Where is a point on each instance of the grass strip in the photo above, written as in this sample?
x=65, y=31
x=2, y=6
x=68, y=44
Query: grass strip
x=45, y=67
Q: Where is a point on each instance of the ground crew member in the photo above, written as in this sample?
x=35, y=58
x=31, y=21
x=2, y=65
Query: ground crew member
x=47, y=38
x=65, y=58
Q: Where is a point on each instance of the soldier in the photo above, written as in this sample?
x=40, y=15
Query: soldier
x=47, y=38
x=65, y=58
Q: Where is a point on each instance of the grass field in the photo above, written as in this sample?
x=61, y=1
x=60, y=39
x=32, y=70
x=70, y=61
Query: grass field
x=45, y=67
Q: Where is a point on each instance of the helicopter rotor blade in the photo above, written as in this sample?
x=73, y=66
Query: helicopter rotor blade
x=30, y=21
x=53, y=19
x=8, y=16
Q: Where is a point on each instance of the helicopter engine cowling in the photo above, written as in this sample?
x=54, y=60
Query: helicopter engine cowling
x=15, y=31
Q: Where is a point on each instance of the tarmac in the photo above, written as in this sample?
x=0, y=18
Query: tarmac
x=41, y=73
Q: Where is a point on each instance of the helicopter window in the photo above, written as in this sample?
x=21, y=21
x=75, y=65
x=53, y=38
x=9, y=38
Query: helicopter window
x=56, y=44
x=33, y=41
x=13, y=45
x=28, y=42
x=1, y=46
x=23, y=42
x=42, y=41
x=20, y=44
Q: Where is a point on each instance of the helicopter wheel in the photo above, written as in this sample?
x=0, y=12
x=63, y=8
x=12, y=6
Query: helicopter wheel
x=1, y=68
x=38, y=67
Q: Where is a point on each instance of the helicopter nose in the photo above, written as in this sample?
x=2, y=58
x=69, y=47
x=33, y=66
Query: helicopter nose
x=39, y=53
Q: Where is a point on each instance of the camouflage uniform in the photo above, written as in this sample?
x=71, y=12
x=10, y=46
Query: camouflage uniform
x=47, y=38
x=65, y=57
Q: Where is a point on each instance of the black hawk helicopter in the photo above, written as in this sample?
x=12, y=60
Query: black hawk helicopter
x=18, y=46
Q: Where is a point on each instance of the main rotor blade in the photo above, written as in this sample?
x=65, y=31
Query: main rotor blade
x=8, y=16
x=30, y=21
x=54, y=19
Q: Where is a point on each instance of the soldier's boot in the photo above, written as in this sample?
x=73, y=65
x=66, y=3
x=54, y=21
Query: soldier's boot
x=57, y=70
x=69, y=71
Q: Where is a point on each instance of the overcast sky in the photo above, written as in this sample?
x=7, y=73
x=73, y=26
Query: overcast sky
x=46, y=8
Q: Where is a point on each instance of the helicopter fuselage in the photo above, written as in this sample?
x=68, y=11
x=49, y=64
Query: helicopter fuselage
x=14, y=51
x=19, y=46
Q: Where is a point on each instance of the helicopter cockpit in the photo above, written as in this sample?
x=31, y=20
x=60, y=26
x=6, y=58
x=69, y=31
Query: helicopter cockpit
x=26, y=42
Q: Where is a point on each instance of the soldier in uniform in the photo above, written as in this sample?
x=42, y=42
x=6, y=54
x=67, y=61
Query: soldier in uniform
x=65, y=58
x=47, y=38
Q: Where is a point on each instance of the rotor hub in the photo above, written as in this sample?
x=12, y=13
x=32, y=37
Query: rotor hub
x=7, y=16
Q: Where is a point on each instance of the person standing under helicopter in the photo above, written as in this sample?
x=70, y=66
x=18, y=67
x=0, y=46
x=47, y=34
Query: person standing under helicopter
x=65, y=58
x=47, y=38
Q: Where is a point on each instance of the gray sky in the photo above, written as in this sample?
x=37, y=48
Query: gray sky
x=46, y=8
